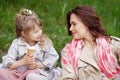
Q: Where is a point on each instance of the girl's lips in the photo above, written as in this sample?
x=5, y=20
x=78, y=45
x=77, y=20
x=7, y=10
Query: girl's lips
x=38, y=37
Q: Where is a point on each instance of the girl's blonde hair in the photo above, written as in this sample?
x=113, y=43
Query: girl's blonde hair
x=26, y=21
x=45, y=43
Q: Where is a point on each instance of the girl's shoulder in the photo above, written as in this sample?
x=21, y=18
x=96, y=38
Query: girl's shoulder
x=15, y=41
x=18, y=41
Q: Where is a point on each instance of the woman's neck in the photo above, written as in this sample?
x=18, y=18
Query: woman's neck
x=90, y=41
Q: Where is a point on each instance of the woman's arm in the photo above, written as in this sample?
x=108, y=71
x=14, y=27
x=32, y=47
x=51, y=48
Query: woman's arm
x=67, y=68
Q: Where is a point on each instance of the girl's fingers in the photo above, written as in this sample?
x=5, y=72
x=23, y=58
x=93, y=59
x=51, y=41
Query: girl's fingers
x=31, y=59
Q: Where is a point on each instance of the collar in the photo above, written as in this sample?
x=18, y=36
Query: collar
x=21, y=41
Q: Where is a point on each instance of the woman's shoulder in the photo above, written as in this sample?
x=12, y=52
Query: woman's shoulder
x=67, y=47
x=115, y=44
x=115, y=40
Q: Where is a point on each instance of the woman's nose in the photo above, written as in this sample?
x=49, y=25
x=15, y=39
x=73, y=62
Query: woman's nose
x=71, y=28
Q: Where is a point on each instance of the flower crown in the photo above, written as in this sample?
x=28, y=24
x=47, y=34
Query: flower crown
x=28, y=12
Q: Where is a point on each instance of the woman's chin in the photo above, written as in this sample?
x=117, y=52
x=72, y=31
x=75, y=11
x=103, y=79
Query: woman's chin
x=76, y=37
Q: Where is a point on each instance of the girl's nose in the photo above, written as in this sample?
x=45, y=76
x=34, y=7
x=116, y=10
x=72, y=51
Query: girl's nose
x=40, y=32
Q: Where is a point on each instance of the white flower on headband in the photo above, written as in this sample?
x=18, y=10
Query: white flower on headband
x=28, y=12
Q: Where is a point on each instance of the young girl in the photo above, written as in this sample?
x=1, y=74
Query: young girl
x=17, y=64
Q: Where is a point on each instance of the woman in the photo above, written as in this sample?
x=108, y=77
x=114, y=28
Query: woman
x=92, y=54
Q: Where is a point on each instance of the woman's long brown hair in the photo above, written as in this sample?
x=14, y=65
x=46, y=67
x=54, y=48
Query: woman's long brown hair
x=90, y=18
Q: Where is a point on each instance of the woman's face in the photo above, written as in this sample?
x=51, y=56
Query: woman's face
x=77, y=28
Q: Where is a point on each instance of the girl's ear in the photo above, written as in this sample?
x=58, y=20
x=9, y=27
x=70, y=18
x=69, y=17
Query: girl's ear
x=23, y=33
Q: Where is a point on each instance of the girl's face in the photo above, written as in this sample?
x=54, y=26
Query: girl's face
x=34, y=35
x=77, y=28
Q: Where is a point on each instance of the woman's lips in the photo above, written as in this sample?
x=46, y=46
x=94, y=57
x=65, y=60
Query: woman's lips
x=73, y=32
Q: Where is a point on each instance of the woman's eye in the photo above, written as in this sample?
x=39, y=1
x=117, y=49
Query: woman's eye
x=73, y=24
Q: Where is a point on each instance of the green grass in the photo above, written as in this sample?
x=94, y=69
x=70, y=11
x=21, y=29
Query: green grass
x=53, y=15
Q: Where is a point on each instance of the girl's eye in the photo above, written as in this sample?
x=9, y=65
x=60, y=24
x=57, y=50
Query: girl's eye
x=37, y=30
x=40, y=27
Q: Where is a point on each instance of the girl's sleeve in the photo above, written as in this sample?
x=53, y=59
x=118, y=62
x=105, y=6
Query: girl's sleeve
x=67, y=67
x=10, y=58
x=51, y=57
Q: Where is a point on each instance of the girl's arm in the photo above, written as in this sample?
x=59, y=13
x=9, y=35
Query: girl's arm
x=40, y=65
x=19, y=63
x=11, y=56
x=50, y=58
x=10, y=60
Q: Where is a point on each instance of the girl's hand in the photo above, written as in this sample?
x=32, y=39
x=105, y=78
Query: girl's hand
x=31, y=61
x=25, y=60
x=40, y=65
x=19, y=63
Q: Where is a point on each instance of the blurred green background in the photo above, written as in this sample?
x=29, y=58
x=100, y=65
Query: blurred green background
x=53, y=15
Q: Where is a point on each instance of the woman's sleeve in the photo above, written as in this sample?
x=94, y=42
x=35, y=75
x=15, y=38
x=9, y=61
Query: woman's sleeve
x=10, y=58
x=67, y=67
